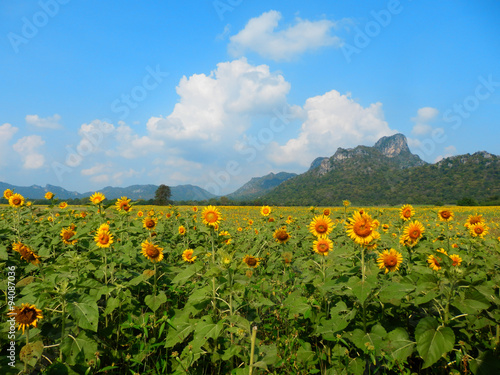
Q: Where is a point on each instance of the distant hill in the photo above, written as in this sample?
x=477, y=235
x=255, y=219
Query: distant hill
x=258, y=186
x=388, y=173
x=134, y=192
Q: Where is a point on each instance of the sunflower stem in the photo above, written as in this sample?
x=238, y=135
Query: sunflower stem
x=27, y=343
x=63, y=327
x=252, y=349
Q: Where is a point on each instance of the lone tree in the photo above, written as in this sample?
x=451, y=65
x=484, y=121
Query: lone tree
x=162, y=195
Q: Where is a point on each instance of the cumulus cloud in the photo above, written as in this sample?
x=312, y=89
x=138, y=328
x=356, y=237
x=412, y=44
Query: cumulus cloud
x=51, y=122
x=131, y=145
x=7, y=131
x=27, y=148
x=424, y=116
x=332, y=120
x=96, y=169
x=260, y=35
x=219, y=106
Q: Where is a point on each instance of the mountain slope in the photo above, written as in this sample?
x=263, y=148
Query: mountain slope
x=388, y=173
x=258, y=186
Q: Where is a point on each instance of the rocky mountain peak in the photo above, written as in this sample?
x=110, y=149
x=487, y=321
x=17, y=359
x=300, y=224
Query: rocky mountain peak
x=393, y=145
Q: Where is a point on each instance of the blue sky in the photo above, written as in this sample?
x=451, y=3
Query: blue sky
x=212, y=93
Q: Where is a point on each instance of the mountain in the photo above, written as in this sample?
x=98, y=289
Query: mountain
x=388, y=173
x=134, y=192
x=258, y=186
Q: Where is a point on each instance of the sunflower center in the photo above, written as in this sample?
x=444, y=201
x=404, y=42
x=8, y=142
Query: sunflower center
x=150, y=224
x=152, y=252
x=323, y=247
x=282, y=235
x=103, y=238
x=211, y=217
x=478, y=230
x=27, y=316
x=391, y=261
x=362, y=228
x=407, y=213
x=415, y=233
x=16, y=201
x=252, y=261
x=445, y=214
x=321, y=228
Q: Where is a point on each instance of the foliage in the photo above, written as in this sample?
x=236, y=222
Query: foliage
x=162, y=195
x=112, y=310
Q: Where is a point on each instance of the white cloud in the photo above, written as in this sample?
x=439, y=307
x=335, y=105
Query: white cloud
x=424, y=116
x=92, y=137
x=260, y=35
x=132, y=146
x=96, y=169
x=7, y=131
x=332, y=120
x=27, y=148
x=449, y=151
x=51, y=122
x=218, y=106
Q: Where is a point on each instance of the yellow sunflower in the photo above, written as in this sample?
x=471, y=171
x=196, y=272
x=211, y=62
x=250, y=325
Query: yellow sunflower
x=390, y=260
x=195, y=209
x=360, y=228
x=412, y=233
x=435, y=261
x=49, y=195
x=251, y=261
x=187, y=256
x=346, y=203
x=322, y=245
x=63, y=205
x=103, y=238
x=182, y=230
x=406, y=212
x=150, y=222
x=7, y=193
x=151, y=251
x=281, y=235
x=67, y=234
x=456, y=260
x=445, y=215
x=211, y=216
x=26, y=315
x=16, y=200
x=97, y=198
x=26, y=253
x=123, y=204
x=327, y=212
x=265, y=210
x=321, y=226
x=478, y=230
x=474, y=219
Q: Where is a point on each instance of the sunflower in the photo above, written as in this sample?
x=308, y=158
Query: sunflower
x=103, y=227
x=16, y=200
x=327, y=212
x=26, y=253
x=412, y=233
x=49, y=195
x=7, y=194
x=83, y=214
x=265, y=210
x=321, y=226
x=123, y=204
x=151, y=251
x=478, y=230
x=251, y=261
x=456, y=260
x=211, y=216
x=322, y=245
x=435, y=262
x=406, y=212
x=150, y=222
x=63, y=205
x=281, y=235
x=187, y=256
x=445, y=215
x=360, y=228
x=103, y=238
x=97, y=198
x=26, y=315
x=195, y=209
x=385, y=227
x=346, y=203
x=474, y=219
x=67, y=234
x=390, y=260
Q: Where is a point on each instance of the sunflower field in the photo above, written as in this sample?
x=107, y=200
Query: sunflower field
x=127, y=289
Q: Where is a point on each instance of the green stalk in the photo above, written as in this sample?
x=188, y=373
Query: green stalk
x=252, y=348
x=63, y=328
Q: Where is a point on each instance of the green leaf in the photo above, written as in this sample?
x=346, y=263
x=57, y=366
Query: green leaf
x=305, y=354
x=154, y=302
x=85, y=313
x=433, y=341
x=394, y=292
x=111, y=305
x=185, y=275
x=79, y=349
x=360, y=289
x=399, y=345
x=179, y=333
x=296, y=304
x=31, y=353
